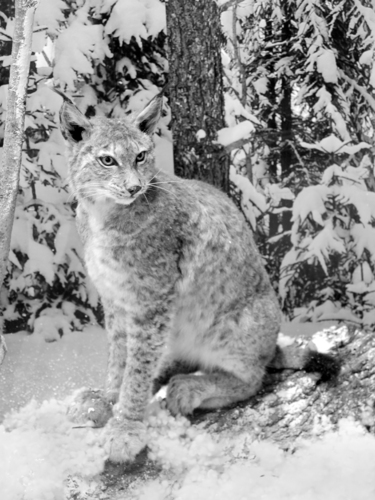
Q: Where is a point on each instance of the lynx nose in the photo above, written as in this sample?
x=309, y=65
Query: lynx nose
x=134, y=189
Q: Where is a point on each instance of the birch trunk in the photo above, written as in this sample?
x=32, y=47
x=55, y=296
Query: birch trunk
x=13, y=138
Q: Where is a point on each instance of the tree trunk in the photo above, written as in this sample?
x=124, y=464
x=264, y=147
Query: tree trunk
x=15, y=118
x=286, y=152
x=196, y=90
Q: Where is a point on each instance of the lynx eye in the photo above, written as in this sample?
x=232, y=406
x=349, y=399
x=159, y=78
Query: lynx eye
x=140, y=158
x=107, y=161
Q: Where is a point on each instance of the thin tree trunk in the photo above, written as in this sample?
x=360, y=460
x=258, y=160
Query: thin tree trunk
x=15, y=118
x=196, y=90
x=286, y=153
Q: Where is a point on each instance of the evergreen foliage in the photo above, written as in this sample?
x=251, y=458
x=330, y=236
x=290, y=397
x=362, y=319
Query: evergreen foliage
x=300, y=112
x=304, y=70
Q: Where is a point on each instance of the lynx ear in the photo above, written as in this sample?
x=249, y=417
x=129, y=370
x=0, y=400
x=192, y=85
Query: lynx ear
x=73, y=124
x=149, y=117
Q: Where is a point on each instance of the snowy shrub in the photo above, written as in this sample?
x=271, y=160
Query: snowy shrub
x=297, y=72
x=329, y=272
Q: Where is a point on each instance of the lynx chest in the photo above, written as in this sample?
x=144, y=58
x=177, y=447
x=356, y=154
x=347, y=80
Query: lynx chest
x=107, y=270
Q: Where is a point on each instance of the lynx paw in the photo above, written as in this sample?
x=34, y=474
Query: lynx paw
x=124, y=439
x=184, y=394
x=90, y=407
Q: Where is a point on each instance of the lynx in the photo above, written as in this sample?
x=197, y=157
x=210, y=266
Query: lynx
x=179, y=277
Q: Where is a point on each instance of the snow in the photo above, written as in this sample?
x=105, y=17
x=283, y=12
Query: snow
x=325, y=242
x=51, y=325
x=40, y=261
x=333, y=144
x=40, y=448
x=364, y=238
x=310, y=200
x=326, y=65
x=125, y=62
x=229, y=135
x=196, y=464
x=44, y=98
x=75, y=47
x=252, y=202
x=38, y=41
x=277, y=193
x=201, y=134
x=362, y=274
x=50, y=13
x=234, y=109
x=138, y=18
x=42, y=370
x=328, y=339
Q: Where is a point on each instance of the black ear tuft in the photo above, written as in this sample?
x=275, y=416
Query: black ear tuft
x=328, y=366
x=148, y=119
x=76, y=132
x=73, y=124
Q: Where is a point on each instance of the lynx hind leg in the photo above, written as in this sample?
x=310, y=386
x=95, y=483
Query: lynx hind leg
x=217, y=389
x=235, y=367
x=168, y=369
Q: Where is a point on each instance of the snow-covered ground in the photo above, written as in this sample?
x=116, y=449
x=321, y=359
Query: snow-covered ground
x=42, y=370
x=40, y=448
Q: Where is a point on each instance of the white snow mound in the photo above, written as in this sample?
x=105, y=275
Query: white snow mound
x=40, y=448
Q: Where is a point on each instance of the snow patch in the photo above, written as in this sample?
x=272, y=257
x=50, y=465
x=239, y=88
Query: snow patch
x=326, y=65
x=39, y=448
x=230, y=135
x=339, y=466
x=329, y=339
x=138, y=18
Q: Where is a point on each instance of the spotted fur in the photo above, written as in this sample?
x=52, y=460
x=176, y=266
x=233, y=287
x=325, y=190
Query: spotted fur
x=178, y=274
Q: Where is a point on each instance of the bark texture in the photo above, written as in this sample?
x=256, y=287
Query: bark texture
x=298, y=404
x=196, y=90
x=291, y=405
x=15, y=118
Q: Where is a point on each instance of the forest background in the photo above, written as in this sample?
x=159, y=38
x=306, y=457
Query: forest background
x=270, y=100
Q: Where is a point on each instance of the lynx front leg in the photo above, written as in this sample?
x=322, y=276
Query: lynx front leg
x=94, y=406
x=115, y=322
x=126, y=431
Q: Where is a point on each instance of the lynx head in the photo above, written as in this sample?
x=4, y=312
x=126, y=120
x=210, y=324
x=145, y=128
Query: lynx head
x=110, y=159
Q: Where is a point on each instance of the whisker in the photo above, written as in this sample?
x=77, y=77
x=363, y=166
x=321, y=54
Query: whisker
x=169, y=182
x=144, y=194
x=153, y=177
x=166, y=190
